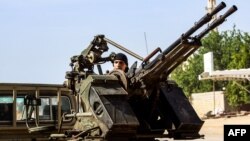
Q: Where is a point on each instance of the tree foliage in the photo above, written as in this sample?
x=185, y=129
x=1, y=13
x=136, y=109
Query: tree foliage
x=231, y=50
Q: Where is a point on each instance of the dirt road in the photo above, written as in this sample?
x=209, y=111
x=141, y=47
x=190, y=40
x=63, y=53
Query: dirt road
x=213, y=128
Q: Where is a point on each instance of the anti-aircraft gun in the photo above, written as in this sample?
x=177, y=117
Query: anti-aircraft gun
x=141, y=104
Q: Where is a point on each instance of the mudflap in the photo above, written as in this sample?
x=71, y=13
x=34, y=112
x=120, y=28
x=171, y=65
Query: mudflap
x=176, y=107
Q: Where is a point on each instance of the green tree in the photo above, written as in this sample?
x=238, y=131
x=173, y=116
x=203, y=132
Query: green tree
x=236, y=91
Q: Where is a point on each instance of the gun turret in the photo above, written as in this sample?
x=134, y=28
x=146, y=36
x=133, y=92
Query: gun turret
x=141, y=104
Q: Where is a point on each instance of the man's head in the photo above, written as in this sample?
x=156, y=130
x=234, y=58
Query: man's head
x=121, y=62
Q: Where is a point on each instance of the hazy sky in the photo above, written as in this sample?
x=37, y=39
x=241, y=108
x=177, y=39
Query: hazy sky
x=38, y=37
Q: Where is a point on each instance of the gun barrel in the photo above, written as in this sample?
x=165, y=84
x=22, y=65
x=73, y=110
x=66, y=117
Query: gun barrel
x=217, y=22
x=218, y=8
x=187, y=51
x=205, y=19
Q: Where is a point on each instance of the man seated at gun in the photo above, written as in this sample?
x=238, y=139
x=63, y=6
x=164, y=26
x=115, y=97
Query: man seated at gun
x=120, y=62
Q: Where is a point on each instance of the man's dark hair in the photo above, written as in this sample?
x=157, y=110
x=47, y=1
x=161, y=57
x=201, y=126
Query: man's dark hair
x=121, y=56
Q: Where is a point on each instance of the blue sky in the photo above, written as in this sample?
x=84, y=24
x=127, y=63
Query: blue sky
x=38, y=37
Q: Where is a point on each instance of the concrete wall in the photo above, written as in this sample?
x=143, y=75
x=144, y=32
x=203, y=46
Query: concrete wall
x=209, y=101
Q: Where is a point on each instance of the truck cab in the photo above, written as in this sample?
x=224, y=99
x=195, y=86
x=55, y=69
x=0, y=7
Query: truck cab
x=34, y=111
